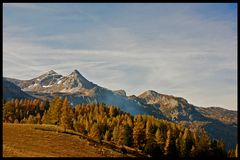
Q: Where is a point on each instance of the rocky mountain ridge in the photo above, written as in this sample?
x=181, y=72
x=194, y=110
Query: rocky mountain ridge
x=79, y=90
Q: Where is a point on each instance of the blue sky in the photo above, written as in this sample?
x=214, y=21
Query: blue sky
x=187, y=50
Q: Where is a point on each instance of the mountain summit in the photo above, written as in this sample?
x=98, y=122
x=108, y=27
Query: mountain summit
x=76, y=71
x=77, y=81
x=51, y=82
x=51, y=72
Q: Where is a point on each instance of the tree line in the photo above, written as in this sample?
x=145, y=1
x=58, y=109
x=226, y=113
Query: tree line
x=153, y=136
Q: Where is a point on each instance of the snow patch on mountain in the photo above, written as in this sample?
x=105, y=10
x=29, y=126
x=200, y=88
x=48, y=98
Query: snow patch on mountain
x=32, y=86
x=59, y=81
x=47, y=86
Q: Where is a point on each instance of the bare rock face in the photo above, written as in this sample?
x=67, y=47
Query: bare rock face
x=39, y=83
x=52, y=82
x=76, y=80
x=121, y=92
x=174, y=108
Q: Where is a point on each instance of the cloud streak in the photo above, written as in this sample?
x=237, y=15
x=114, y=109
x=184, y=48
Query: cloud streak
x=172, y=49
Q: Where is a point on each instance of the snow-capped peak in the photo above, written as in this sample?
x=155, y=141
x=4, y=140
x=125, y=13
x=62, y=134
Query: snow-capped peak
x=51, y=81
x=48, y=78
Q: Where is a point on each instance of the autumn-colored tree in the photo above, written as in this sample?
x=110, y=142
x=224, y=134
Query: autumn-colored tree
x=217, y=149
x=95, y=132
x=149, y=131
x=168, y=143
x=38, y=118
x=115, y=134
x=139, y=138
x=107, y=136
x=151, y=145
x=78, y=125
x=170, y=147
x=193, y=152
x=54, y=113
x=236, y=151
x=88, y=125
x=112, y=111
x=203, y=145
x=42, y=106
x=16, y=121
x=16, y=103
x=153, y=136
x=125, y=135
x=66, y=121
x=129, y=121
x=159, y=138
x=231, y=153
x=8, y=112
x=30, y=120
x=35, y=107
x=24, y=120
x=186, y=143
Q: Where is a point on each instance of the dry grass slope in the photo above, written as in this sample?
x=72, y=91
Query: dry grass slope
x=22, y=140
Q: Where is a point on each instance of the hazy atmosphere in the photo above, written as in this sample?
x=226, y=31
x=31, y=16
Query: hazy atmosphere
x=187, y=50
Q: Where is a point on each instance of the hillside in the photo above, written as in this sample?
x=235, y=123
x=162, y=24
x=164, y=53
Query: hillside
x=11, y=90
x=139, y=135
x=22, y=140
x=220, y=114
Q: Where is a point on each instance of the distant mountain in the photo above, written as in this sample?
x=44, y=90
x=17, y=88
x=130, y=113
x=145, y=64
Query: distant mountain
x=174, y=108
x=220, y=114
x=10, y=90
x=79, y=90
x=217, y=121
x=121, y=92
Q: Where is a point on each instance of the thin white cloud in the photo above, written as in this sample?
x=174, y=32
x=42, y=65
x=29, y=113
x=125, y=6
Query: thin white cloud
x=179, y=53
x=21, y=5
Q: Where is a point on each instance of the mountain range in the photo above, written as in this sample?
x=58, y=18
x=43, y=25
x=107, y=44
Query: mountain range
x=219, y=123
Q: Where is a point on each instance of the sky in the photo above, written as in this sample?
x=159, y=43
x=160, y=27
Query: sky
x=185, y=50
